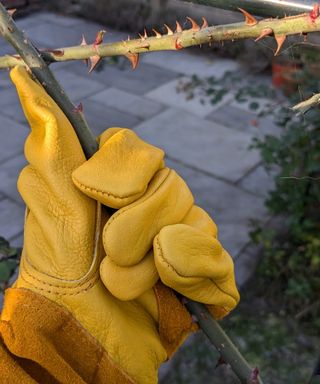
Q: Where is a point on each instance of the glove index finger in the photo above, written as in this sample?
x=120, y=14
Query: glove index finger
x=119, y=173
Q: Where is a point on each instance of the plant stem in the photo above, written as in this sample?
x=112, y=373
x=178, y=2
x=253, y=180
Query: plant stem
x=229, y=352
x=41, y=72
x=278, y=27
x=304, y=106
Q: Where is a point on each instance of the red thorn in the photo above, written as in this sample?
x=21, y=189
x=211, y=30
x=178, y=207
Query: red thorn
x=94, y=60
x=178, y=27
x=79, y=108
x=264, y=33
x=158, y=35
x=249, y=19
x=204, y=23
x=134, y=59
x=254, y=376
x=178, y=44
x=169, y=30
x=11, y=11
x=194, y=26
x=314, y=13
x=280, y=39
x=99, y=38
x=221, y=361
x=56, y=52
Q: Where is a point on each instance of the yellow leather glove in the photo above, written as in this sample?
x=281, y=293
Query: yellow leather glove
x=113, y=290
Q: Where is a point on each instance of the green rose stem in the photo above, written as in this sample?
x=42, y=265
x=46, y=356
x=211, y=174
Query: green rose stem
x=42, y=73
x=251, y=28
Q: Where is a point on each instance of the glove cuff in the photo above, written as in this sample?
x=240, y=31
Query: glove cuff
x=175, y=322
x=44, y=337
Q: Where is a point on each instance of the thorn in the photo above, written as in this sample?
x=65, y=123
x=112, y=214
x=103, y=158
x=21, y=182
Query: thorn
x=141, y=37
x=94, y=60
x=158, y=35
x=249, y=19
x=178, y=27
x=264, y=33
x=204, y=23
x=280, y=39
x=145, y=35
x=129, y=38
x=99, y=38
x=314, y=13
x=194, y=26
x=79, y=108
x=11, y=11
x=134, y=59
x=169, y=30
x=221, y=361
x=84, y=42
x=254, y=376
x=178, y=44
x=194, y=319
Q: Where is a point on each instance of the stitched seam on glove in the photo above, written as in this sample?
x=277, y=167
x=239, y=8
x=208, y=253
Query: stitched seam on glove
x=103, y=193
x=157, y=243
x=56, y=288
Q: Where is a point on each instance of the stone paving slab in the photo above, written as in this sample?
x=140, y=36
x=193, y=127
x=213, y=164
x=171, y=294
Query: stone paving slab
x=13, y=136
x=9, y=172
x=12, y=216
x=259, y=182
x=199, y=143
x=10, y=104
x=139, y=81
x=137, y=106
x=99, y=117
x=199, y=105
x=230, y=207
x=187, y=63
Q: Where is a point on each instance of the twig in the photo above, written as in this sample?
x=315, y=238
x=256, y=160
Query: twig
x=196, y=35
x=305, y=105
x=33, y=59
x=40, y=70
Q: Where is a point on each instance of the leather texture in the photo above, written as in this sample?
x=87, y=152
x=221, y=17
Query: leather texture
x=102, y=268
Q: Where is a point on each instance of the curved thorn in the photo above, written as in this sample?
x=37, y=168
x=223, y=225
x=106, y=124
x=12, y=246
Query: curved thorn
x=84, y=42
x=280, y=39
x=134, y=59
x=94, y=60
x=178, y=27
x=158, y=35
x=264, y=33
x=169, y=30
x=194, y=26
x=145, y=35
x=204, y=23
x=11, y=11
x=249, y=19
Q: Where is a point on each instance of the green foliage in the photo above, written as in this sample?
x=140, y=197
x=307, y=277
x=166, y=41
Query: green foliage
x=9, y=257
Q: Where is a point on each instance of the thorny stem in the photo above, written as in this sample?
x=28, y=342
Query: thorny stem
x=293, y=25
x=41, y=72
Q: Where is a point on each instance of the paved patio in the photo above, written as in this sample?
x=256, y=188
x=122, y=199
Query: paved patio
x=206, y=144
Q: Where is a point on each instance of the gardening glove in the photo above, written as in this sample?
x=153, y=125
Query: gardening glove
x=88, y=305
